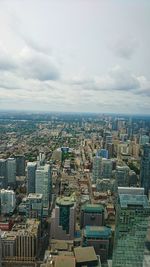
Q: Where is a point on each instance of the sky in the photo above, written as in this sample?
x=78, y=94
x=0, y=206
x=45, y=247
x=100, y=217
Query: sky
x=75, y=56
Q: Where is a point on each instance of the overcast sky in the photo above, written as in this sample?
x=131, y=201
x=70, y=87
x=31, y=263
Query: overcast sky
x=75, y=55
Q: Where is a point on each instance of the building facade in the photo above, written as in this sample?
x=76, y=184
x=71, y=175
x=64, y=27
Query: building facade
x=145, y=168
x=132, y=221
x=11, y=172
x=43, y=186
x=31, y=171
x=63, y=219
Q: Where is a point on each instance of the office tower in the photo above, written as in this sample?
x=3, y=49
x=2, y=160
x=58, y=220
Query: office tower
x=43, y=186
x=63, y=219
x=122, y=175
x=31, y=170
x=110, y=148
x=92, y=214
x=8, y=201
x=0, y=250
x=8, y=245
x=27, y=239
x=103, y=153
x=106, y=168
x=133, y=178
x=11, y=172
x=145, y=168
x=100, y=238
x=108, y=139
x=34, y=206
x=97, y=168
x=20, y=165
x=133, y=211
x=3, y=173
x=144, y=139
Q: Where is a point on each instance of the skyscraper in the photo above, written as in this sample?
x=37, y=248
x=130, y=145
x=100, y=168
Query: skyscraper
x=106, y=168
x=132, y=221
x=97, y=168
x=11, y=171
x=145, y=168
x=122, y=175
x=43, y=185
x=3, y=173
x=31, y=170
x=63, y=219
x=8, y=201
x=20, y=165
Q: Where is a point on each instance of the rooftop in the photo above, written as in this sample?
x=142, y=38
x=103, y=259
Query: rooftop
x=97, y=231
x=65, y=201
x=95, y=208
x=135, y=200
x=85, y=254
x=35, y=196
x=64, y=261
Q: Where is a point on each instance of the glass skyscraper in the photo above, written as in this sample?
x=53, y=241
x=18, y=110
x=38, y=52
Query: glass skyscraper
x=145, y=168
x=131, y=226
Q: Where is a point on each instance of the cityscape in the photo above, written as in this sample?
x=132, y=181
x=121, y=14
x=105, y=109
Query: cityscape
x=74, y=133
x=75, y=189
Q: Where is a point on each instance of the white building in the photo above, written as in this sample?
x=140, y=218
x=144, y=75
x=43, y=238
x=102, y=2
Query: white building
x=8, y=201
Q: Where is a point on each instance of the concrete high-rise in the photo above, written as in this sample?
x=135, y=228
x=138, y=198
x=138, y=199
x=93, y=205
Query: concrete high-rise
x=43, y=185
x=145, y=168
x=97, y=168
x=63, y=219
x=34, y=206
x=11, y=172
x=8, y=201
x=132, y=221
x=31, y=170
x=92, y=214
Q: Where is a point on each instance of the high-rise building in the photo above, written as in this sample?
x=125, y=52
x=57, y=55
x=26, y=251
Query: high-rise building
x=100, y=238
x=11, y=172
x=103, y=153
x=3, y=173
x=0, y=250
x=63, y=219
x=34, y=206
x=27, y=239
x=92, y=214
x=31, y=170
x=20, y=165
x=43, y=186
x=144, y=139
x=106, y=168
x=8, y=201
x=97, y=168
x=132, y=221
x=122, y=175
x=110, y=148
x=145, y=168
x=8, y=245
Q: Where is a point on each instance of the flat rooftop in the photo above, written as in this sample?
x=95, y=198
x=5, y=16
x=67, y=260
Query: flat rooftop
x=93, y=208
x=85, y=254
x=35, y=196
x=65, y=201
x=65, y=261
x=135, y=200
x=97, y=232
